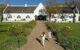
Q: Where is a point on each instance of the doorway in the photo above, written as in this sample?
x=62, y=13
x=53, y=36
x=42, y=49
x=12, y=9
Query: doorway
x=41, y=17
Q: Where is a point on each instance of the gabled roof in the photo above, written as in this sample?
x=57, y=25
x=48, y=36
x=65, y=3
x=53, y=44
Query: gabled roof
x=30, y=9
x=64, y=9
x=19, y=9
x=68, y=9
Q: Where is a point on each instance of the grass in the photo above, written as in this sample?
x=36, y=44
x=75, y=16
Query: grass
x=67, y=35
x=12, y=42
x=6, y=35
x=74, y=26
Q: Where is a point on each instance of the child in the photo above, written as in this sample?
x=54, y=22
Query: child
x=43, y=36
x=50, y=34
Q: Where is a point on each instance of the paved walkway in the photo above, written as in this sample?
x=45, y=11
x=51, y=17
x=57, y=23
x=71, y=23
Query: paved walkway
x=34, y=44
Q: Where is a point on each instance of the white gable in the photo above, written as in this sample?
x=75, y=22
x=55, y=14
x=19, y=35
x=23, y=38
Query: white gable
x=39, y=7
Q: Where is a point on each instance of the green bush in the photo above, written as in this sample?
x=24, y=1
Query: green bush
x=30, y=24
x=12, y=42
x=24, y=29
x=10, y=33
x=64, y=35
x=71, y=43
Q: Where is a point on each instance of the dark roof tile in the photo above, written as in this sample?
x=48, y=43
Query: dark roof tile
x=20, y=10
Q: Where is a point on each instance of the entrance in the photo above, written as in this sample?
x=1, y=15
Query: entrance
x=41, y=17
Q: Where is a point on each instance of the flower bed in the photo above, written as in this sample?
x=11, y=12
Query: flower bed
x=67, y=34
x=13, y=35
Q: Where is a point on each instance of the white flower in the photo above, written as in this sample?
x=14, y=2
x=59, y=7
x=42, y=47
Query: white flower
x=68, y=27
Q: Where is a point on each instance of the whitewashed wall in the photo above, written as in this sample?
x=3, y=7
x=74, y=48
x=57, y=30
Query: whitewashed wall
x=15, y=19
x=68, y=18
x=77, y=17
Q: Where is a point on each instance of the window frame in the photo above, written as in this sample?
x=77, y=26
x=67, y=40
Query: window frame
x=9, y=16
x=18, y=16
x=27, y=16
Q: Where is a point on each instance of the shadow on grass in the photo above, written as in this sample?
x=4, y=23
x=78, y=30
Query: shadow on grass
x=57, y=40
x=3, y=30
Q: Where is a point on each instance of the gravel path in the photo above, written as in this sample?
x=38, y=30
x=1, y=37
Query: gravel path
x=33, y=39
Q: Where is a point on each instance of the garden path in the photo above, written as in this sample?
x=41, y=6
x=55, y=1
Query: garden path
x=34, y=44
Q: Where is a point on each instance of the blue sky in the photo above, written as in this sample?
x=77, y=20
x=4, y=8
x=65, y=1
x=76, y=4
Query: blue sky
x=22, y=2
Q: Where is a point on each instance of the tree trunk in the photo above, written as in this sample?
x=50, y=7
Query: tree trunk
x=49, y=17
x=77, y=12
x=77, y=9
x=74, y=15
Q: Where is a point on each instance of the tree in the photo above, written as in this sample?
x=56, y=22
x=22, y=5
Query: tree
x=2, y=7
x=73, y=4
x=51, y=8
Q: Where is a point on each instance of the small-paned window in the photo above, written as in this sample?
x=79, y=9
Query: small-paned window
x=9, y=16
x=70, y=16
x=27, y=16
x=23, y=19
x=18, y=16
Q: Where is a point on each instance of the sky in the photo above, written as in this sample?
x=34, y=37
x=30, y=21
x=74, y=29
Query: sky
x=22, y=2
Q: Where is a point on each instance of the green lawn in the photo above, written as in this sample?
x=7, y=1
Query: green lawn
x=4, y=33
x=74, y=26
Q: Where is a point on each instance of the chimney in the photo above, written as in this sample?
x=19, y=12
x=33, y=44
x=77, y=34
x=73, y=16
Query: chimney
x=26, y=5
x=8, y=5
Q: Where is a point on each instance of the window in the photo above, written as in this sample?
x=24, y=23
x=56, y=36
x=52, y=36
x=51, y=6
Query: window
x=27, y=16
x=18, y=16
x=42, y=12
x=70, y=16
x=52, y=16
x=23, y=19
x=9, y=16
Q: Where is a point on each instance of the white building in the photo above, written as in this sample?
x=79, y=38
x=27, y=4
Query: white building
x=16, y=13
